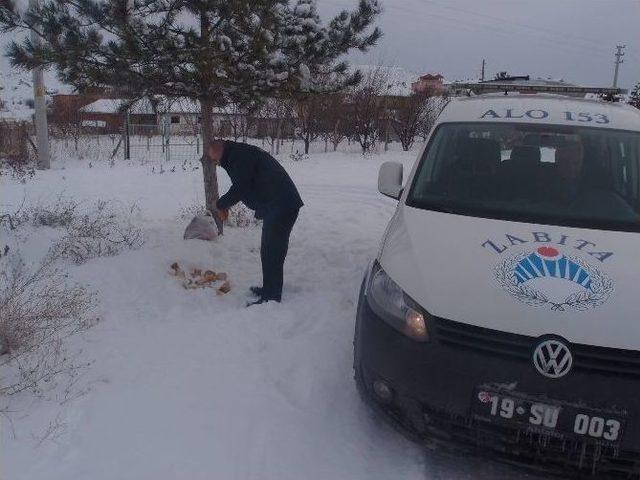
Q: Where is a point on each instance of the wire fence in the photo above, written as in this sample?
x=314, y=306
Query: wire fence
x=161, y=141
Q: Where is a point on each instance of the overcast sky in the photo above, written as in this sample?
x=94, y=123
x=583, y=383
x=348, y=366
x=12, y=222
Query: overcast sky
x=570, y=39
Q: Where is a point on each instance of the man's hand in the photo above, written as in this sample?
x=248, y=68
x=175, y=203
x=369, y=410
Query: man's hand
x=223, y=214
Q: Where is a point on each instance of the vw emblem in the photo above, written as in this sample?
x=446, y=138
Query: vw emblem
x=552, y=358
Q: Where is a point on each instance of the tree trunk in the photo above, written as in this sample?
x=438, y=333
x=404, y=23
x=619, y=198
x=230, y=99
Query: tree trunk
x=209, y=173
x=278, y=133
x=386, y=136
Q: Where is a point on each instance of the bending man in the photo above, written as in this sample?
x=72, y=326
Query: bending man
x=263, y=185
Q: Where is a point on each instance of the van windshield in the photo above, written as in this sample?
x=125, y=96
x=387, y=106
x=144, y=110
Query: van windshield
x=552, y=174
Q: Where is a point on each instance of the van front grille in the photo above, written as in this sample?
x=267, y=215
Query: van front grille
x=587, y=358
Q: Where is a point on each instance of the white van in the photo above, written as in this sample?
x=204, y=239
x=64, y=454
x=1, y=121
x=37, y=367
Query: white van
x=503, y=309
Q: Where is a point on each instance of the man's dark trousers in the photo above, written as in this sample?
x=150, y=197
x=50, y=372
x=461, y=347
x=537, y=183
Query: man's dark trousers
x=276, y=228
x=263, y=185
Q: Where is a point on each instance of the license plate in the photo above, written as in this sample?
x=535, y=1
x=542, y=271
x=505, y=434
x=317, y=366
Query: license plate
x=556, y=419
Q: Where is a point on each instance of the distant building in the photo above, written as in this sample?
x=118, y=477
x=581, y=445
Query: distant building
x=150, y=115
x=64, y=108
x=429, y=83
x=108, y=115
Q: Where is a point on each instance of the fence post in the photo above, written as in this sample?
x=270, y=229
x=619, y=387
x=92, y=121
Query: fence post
x=164, y=130
x=168, y=139
x=127, y=134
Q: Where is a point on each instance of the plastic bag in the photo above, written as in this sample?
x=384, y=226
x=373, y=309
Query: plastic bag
x=201, y=227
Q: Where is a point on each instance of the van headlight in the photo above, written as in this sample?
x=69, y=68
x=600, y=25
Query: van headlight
x=391, y=304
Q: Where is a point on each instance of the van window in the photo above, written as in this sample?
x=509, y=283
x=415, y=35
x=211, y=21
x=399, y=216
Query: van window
x=583, y=177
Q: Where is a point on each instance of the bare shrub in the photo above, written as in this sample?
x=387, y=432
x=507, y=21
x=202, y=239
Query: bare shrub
x=58, y=214
x=104, y=231
x=16, y=218
x=40, y=309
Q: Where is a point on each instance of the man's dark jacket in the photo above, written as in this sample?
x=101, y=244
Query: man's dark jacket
x=258, y=180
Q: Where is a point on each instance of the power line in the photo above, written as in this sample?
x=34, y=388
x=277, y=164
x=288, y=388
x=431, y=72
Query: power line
x=595, y=43
x=568, y=43
x=594, y=47
x=502, y=31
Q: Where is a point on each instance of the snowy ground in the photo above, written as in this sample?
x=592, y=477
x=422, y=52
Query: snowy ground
x=190, y=385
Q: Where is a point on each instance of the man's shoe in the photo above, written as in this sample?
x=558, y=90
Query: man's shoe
x=257, y=291
x=262, y=300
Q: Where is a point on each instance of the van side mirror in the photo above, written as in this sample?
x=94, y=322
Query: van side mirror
x=390, y=179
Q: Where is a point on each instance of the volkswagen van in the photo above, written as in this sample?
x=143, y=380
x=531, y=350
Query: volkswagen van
x=502, y=312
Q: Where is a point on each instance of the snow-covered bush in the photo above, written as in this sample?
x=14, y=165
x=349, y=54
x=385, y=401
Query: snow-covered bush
x=40, y=309
x=105, y=230
x=298, y=156
x=241, y=217
x=58, y=214
x=634, y=96
x=100, y=229
x=13, y=220
x=193, y=210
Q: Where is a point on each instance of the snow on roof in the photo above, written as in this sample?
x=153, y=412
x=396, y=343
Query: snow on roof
x=104, y=105
x=16, y=114
x=119, y=105
x=149, y=106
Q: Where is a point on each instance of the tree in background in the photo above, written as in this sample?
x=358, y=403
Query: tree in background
x=501, y=76
x=407, y=117
x=333, y=120
x=308, y=113
x=276, y=118
x=213, y=51
x=241, y=120
x=434, y=107
x=634, y=96
x=366, y=108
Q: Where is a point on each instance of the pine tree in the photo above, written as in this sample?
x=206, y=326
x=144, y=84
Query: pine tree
x=213, y=51
x=634, y=96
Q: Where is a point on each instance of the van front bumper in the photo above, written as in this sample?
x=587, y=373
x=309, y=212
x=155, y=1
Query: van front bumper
x=433, y=386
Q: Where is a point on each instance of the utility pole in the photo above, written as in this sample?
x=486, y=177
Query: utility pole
x=482, y=72
x=40, y=106
x=619, y=55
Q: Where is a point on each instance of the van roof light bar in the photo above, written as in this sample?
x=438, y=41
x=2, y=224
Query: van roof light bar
x=490, y=87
